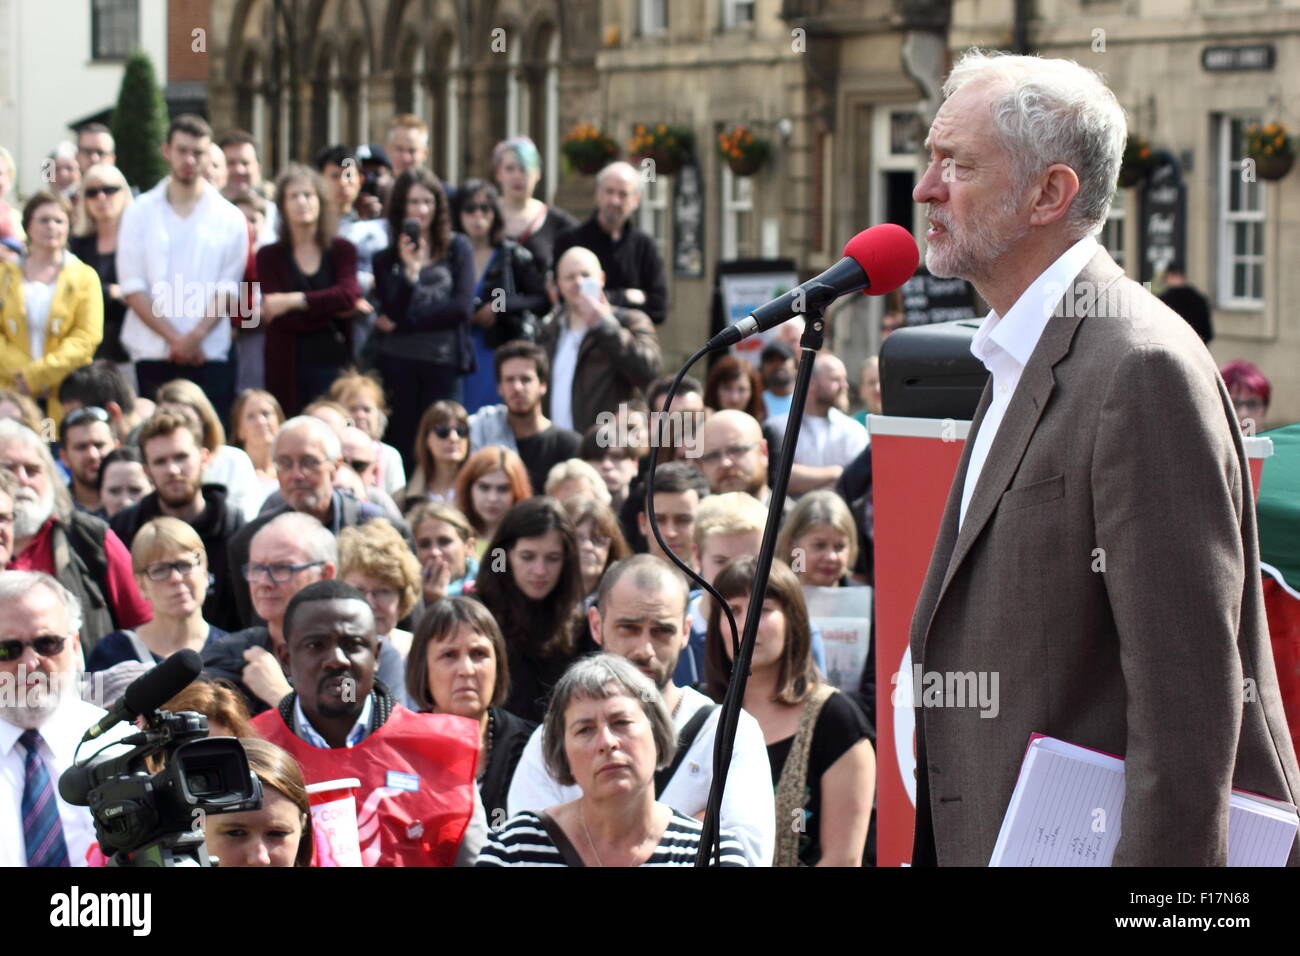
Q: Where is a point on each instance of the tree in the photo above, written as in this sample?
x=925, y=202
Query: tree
x=140, y=124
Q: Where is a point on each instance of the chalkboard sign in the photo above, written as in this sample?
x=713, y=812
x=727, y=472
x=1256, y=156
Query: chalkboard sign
x=1162, y=221
x=928, y=299
x=688, y=222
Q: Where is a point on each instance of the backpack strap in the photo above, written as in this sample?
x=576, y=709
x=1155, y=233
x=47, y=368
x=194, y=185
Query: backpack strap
x=142, y=653
x=562, y=843
x=685, y=740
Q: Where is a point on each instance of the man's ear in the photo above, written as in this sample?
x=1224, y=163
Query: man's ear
x=643, y=523
x=542, y=391
x=593, y=624
x=282, y=654
x=205, y=457
x=1054, y=195
x=328, y=571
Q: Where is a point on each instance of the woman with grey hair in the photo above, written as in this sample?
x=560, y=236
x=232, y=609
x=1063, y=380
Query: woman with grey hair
x=607, y=731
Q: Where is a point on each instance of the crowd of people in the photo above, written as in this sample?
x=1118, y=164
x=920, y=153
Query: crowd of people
x=377, y=449
x=375, y=446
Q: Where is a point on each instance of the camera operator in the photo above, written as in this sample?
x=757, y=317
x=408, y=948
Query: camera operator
x=42, y=718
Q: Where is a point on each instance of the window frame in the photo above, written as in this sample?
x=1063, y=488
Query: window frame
x=1228, y=218
x=101, y=9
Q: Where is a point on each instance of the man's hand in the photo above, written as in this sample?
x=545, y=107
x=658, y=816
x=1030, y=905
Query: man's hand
x=187, y=349
x=384, y=324
x=114, y=291
x=592, y=311
x=363, y=306
x=264, y=676
x=634, y=296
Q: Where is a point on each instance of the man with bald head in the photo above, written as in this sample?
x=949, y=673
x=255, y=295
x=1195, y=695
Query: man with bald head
x=601, y=355
x=828, y=438
x=640, y=614
x=629, y=257
x=735, y=455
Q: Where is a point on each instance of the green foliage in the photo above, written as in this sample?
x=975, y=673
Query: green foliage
x=140, y=124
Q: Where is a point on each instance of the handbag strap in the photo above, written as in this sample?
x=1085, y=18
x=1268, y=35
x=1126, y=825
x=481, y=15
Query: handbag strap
x=142, y=653
x=685, y=740
x=791, y=789
x=560, y=839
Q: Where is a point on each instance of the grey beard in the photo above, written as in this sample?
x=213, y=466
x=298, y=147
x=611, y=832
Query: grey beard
x=29, y=515
x=30, y=709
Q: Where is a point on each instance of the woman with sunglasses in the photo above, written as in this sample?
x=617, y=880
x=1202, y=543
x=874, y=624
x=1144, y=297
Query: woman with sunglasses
x=509, y=294
x=171, y=568
x=104, y=198
x=441, y=447
x=51, y=306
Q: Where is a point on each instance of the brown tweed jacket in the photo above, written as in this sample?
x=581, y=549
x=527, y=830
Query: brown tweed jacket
x=1107, y=573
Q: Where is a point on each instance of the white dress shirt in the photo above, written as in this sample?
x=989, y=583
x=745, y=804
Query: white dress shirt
x=179, y=263
x=1004, y=345
x=834, y=440
x=748, y=803
x=61, y=733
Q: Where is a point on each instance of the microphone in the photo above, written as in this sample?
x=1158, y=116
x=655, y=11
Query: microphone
x=877, y=260
x=151, y=690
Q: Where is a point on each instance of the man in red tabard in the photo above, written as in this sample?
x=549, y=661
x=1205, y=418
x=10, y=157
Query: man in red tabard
x=418, y=804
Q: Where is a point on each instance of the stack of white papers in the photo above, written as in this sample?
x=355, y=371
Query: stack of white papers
x=1067, y=805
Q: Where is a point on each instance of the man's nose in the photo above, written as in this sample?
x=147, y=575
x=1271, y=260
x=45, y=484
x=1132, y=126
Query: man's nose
x=931, y=187
x=337, y=658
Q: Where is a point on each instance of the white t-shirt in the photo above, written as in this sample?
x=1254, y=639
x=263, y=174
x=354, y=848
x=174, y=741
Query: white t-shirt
x=37, y=298
x=748, y=803
x=563, y=370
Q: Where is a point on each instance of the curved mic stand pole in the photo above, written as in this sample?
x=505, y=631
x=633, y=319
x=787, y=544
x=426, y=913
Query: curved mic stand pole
x=814, y=330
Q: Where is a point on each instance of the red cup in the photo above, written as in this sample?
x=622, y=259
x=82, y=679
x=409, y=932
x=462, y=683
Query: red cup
x=334, y=822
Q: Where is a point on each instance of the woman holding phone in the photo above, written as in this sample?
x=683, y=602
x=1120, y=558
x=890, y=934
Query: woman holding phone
x=424, y=285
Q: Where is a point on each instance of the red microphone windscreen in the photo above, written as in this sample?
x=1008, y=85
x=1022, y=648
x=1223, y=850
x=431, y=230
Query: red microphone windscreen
x=888, y=255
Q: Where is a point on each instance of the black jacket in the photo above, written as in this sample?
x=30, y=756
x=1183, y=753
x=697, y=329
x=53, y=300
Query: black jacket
x=224, y=660
x=215, y=526
x=522, y=290
x=633, y=262
x=509, y=735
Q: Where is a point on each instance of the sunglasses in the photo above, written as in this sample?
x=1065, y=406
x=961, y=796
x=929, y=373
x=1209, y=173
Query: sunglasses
x=473, y=207
x=95, y=191
x=444, y=431
x=45, y=646
x=358, y=464
x=87, y=413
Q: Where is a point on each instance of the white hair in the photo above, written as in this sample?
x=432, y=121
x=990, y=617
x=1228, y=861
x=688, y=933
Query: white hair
x=329, y=440
x=576, y=468
x=64, y=150
x=622, y=168
x=14, y=584
x=1053, y=111
x=319, y=542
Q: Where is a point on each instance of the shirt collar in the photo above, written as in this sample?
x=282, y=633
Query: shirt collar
x=1018, y=332
x=304, y=729
x=64, y=714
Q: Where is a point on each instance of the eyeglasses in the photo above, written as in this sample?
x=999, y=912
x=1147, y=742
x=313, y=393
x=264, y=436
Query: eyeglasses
x=94, y=192
x=1247, y=404
x=276, y=573
x=379, y=595
x=473, y=207
x=597, y=541
x=48, y=646
x=87, y=413
x=444, y=431
x=307, y=464
x=162, y=571
x=358, y=464
x=734, y=452
x=92, y=151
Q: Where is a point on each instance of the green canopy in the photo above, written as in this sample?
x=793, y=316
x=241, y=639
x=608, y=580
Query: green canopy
x=1278, y=505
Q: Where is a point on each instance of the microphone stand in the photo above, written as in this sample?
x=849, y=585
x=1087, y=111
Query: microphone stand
x=725, y=740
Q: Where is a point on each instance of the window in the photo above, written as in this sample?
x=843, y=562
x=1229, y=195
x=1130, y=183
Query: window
x=737, y=214
x=1111, y=236
x=653, y=211
x=114, y=28
x=1241, y=223
x=737, y=13
x=653, y=17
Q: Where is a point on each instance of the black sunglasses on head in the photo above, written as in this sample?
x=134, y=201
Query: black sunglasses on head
x=444, y=431
x=48, y=646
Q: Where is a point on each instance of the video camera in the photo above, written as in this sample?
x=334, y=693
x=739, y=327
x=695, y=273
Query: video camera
x=146, y=816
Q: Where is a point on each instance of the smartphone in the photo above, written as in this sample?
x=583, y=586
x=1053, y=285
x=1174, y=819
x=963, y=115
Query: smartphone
x=590, y=287
x=411, y=229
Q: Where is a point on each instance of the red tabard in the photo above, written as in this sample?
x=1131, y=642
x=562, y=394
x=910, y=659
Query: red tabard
x=437, y=754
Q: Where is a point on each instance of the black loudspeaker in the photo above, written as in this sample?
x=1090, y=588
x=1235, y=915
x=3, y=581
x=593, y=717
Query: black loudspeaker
x=928, y=371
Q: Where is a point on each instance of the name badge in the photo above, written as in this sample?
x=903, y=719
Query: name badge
x=403, y=781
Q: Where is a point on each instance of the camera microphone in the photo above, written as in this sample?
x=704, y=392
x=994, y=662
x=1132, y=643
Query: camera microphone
x=151, y=690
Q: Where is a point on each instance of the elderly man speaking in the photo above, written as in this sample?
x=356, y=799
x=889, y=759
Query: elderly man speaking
x=1098, y=551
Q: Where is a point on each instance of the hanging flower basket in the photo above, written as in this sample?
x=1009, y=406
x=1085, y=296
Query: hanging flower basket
x=744, y=152
x=1271, y=147
x=667, y=146
x=588, y=149
x=1137, y=162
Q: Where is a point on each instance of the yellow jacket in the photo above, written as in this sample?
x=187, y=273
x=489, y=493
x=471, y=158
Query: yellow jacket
x=74, y=329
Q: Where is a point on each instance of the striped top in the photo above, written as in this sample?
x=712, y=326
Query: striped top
x=524, y=841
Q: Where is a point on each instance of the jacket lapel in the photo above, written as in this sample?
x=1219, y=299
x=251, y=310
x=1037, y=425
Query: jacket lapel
x=1027, y=404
